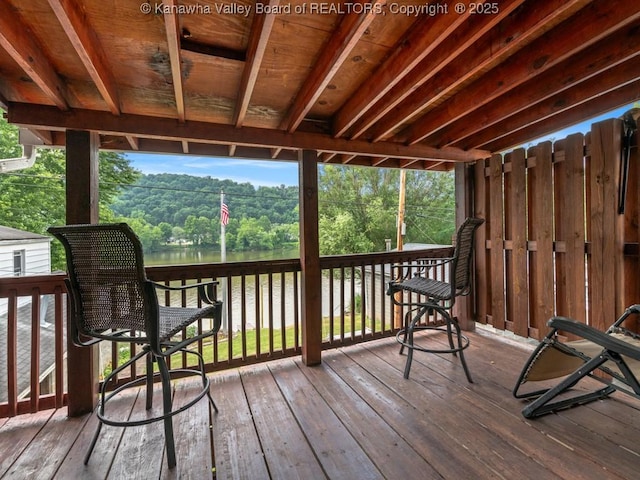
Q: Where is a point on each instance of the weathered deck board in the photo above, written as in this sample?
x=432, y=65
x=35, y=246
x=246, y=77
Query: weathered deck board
x=353, y=416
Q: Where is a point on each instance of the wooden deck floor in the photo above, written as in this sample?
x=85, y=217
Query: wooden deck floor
x=353, y=417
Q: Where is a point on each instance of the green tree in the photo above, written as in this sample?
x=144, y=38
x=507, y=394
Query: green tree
x=33, y=199
x=358, y=203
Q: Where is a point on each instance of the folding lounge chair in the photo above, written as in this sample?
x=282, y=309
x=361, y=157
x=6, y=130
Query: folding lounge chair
x=428, y=295
x=112, y=300
x=614, y=353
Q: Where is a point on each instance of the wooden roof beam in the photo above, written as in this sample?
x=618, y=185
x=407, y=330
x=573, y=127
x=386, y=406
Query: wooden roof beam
x=334, y=53
x=597, y=106
x=167, y=129
x=421, y=39
x=532, y=20
x=21, y=44
x=608, y=81
x=76, y=25
x=173, y=44
x=555, y=46
x=600, y=68
x=467, y=35
x=260, y=32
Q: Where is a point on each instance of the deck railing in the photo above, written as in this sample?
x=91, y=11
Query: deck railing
x=262, y=319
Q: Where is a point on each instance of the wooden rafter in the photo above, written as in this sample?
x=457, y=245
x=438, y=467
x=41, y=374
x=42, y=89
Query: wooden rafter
x=548, y=51
x=591, y=72
x=334, y=53
x=16, y=38
x=76, y=25
x=133, y=142
x=173, y=44
x=167, y=129
x=601, y=104
x=515, y=32
x=260, y=32
x=426, y=34
x=449, y=50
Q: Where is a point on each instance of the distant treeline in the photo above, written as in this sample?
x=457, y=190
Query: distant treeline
x=171, y=198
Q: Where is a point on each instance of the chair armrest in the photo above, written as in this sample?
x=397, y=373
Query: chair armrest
x=598, y=337
x=205, y=289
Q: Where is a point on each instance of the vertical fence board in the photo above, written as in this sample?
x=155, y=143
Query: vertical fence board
x=606, y=225
x=570, y=229
x=631, y=235
x=519, y=278
x=540, y=218
x=497, y=243
x=482, y=285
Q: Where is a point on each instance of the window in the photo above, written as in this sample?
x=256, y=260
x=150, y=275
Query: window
x=18, y=263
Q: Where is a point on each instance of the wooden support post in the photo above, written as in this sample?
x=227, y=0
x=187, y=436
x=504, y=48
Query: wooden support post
x=82, y=207
x=464, y=309
x=311, y=284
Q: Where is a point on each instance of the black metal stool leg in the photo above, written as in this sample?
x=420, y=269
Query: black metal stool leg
x=461, y=348
x=167, y=405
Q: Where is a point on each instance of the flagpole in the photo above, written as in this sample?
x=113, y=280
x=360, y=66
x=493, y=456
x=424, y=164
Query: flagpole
x=223, y=231
x=223, y=258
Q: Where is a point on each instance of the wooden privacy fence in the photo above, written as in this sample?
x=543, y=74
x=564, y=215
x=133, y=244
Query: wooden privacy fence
x=554, y=242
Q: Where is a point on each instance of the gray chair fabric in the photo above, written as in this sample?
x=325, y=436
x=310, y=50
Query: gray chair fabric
x=562, y=364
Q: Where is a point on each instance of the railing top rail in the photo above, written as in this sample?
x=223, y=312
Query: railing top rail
x=51, y=283
x=336, y=261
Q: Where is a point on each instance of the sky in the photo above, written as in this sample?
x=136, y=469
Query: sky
x=275, y=173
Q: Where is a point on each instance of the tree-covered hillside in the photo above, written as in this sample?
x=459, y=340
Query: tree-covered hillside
x=171, y=198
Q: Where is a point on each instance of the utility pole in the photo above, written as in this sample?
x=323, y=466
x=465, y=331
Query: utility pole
x=401, y=203
x=400, y=231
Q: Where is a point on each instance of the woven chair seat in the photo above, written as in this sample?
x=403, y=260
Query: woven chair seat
x=175, y=319
x=429, y=287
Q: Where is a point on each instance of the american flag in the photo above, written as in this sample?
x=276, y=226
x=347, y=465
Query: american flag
x=224, y=214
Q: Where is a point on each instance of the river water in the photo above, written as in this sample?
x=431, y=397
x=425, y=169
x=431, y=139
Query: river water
x=193, y=255
x=269, y=303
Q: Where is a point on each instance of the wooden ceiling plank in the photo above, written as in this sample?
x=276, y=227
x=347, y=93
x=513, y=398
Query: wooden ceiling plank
x=468, y=34
x=168, y=129
x=546, y=52
x=334, y=53
x=260, y=32
x=173, y=44
x=581, y=76
x=607, y=81
x=515, y=32
x=599, y=105
x=423, y=37
x=21, y=44
x=76, y=25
